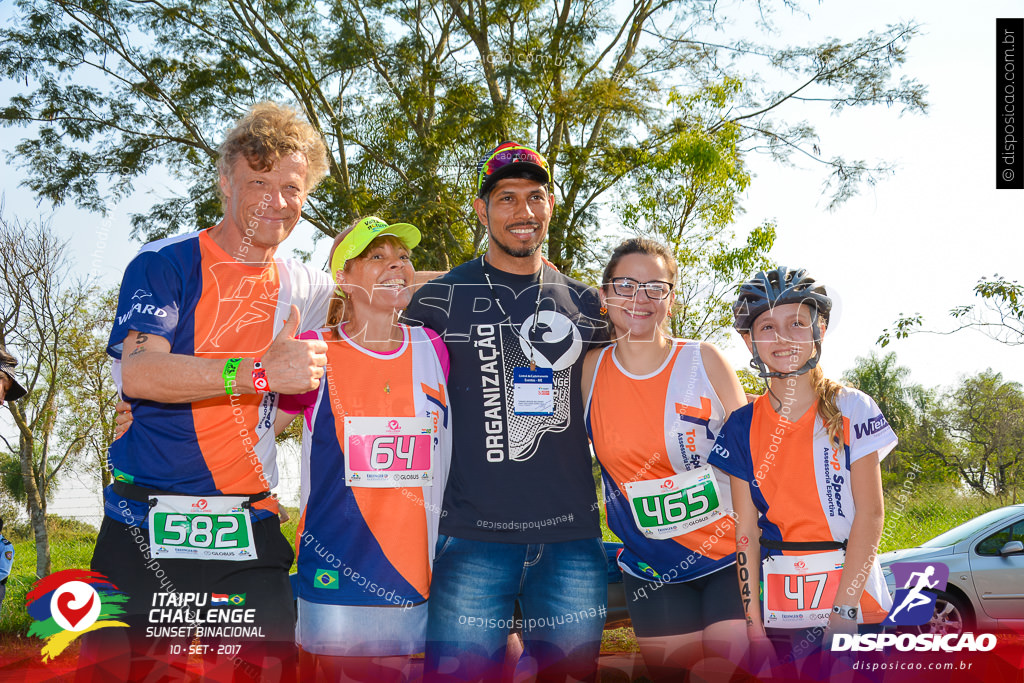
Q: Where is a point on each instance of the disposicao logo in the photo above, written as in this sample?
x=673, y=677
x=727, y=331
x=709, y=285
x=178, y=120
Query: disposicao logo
x=69, y=603
x=912, y=606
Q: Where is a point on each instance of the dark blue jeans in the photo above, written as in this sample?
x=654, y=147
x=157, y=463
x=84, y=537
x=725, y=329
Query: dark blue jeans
x=561, y=588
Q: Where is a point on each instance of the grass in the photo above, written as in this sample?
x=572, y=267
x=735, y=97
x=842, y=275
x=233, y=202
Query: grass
x=606, y=533
x=619, y=640
x=71, y=544
x=926, y=513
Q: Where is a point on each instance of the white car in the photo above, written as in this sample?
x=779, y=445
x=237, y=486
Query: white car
x=985, y=556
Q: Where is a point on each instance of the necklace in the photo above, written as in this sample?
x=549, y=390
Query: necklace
x=508, y=318
x=387, y=381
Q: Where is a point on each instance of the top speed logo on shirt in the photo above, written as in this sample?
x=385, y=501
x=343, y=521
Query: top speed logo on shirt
x=914, y=603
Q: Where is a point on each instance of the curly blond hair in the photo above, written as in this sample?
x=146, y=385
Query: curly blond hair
x=268, y=132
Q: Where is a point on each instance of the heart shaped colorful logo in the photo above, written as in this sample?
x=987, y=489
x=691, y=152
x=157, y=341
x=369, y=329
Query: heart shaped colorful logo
x=66, y=604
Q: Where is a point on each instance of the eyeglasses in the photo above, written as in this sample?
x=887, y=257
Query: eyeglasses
x=503, y=155
x=628, y=287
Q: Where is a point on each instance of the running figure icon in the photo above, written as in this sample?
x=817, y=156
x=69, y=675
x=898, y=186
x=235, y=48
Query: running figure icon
x=914, y=597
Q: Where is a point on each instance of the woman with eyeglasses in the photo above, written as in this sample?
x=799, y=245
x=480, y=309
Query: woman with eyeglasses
x=654, y=406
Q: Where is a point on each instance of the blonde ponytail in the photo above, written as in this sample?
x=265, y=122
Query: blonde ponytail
x=828, y=405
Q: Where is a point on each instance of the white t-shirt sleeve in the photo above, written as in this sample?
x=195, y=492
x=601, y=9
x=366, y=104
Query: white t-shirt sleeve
x=311, y=292
x=869, y=430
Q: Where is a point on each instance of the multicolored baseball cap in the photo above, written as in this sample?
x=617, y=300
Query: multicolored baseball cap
x=356, y=238
x=510, y=159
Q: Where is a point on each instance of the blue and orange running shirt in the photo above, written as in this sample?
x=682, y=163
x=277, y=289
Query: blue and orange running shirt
x=192, y=293
x=635, y=441
x=799, y=482
x=358, y=545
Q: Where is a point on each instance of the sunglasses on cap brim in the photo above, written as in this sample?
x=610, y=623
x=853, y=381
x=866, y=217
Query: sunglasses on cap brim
x=507, y=155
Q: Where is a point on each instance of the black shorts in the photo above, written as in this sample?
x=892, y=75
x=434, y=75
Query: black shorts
x=268, y=641
x=667, y=609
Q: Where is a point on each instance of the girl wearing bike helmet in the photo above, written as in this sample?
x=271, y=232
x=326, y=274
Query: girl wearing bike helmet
x=654, y=405
x=805, y=458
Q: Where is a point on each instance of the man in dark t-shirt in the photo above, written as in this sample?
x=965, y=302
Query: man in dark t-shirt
x=520, y=518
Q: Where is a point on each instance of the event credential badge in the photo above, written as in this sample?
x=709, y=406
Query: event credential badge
x=533, y=391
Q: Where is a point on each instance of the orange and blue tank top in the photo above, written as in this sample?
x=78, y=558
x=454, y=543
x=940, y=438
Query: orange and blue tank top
x=651, y=427
x=206, y=304
x=358, y=545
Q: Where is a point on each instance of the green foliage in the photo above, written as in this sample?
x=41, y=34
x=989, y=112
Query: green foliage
x=974, y=434
x=10, y=478
x=407, y=96
x=37, y=299
x=1000, y=315
x=71, y=544
x=969, y=435
x=884, y=381
x=606, y=533
x=87, y=415
x=750, y=381
x=685, y=195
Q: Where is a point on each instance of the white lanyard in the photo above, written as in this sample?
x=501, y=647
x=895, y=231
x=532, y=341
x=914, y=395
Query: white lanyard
x=508, y=318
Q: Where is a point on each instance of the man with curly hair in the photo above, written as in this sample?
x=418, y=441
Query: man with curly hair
x=204, y=340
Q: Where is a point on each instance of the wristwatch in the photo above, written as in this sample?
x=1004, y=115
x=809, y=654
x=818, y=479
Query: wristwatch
x=845, y=612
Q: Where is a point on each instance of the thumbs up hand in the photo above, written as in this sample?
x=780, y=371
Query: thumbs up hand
x=294, y=366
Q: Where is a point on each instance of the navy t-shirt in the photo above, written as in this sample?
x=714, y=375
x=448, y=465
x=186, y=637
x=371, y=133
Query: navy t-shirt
x=515, y=478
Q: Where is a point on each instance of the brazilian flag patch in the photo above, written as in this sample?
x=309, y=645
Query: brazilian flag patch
x=237, y=600
x=648, y=569
x=326, y=578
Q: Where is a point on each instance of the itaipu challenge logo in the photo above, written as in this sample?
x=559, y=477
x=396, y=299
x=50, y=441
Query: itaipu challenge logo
x=69, y=603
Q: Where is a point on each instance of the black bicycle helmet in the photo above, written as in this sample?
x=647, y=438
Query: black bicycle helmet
x=773, y=288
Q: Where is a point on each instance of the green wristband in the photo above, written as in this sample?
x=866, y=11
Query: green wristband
x=230, y=370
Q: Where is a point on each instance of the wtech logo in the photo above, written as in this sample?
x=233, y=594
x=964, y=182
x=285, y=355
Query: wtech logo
x=912, y=605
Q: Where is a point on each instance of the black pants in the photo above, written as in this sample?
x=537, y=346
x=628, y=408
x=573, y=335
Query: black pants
x=259, y=646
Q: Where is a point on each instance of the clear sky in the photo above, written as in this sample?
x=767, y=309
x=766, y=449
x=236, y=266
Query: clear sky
x=917, y=242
